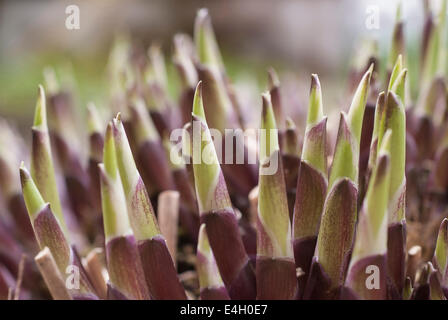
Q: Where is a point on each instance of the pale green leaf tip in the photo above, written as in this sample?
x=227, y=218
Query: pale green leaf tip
x=402, y=75
x=361, y=92
x=109, y=155
x=315, y=83
x=33, y=199
x=441, y=251
x=40, y=115
x=198, y=106
x=396, y=70
x=315, y=111
x=443, y=230
x=206, y=45
x=115, y=218
x=117, y=124
x=399, y=62
x=357, y=107
x=268, y=117
x=269, y=140
x=201, y=16
x=398, y=87
x=371, y=67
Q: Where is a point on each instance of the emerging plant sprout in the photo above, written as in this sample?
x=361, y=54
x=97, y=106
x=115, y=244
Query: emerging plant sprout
x=166, y=202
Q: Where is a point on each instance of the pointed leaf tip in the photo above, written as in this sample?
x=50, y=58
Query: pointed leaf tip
x=268, y=117
x=315, y=109
x=441, y=251
x=398, y=66
x=40, y=115
x=398, y=87
x=371, y=68
x=109, y=155
x=198, y=105
x=315, y=83
x=33, y=199
x=205, y=40
x=268, y=135
x=357, y=107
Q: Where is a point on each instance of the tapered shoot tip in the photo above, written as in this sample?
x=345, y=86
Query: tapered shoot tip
x=33, y=199
x=268, y=140
x=40, y=115
x=24, y=173
x=109, y=131
x=370, y=70
x=398, y=66
x=315, y=108
x=356, y=112
x=206, y=44
x=198, y=105
x=268, y=118
x=398, y=87
x=109, y=156
x=445, y=223
x=315, y=83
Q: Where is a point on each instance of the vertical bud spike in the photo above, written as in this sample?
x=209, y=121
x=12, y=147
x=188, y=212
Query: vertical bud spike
x=356, y=111
x=276, y=275
x=216, y=210
x=141, y=212
x=205, y=40
x=440, y=259
x=42, y=169
x=370, y=246
x=311, y=184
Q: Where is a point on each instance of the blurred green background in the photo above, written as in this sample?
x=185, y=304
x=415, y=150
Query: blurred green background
x=296, y=37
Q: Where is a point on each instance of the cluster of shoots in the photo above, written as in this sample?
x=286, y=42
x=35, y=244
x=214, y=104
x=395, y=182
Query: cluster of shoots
x=354, y=210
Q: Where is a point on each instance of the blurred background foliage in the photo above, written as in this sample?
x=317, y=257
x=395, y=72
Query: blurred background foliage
x=295, y=37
